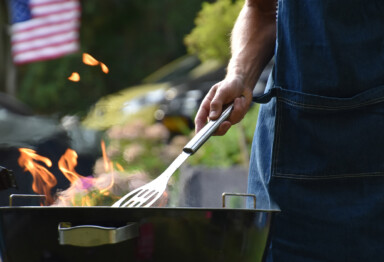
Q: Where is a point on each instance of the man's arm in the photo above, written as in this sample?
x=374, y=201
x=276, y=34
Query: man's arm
x=252, y=46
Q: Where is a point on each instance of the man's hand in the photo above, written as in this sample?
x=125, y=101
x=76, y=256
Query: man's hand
x=231, y=89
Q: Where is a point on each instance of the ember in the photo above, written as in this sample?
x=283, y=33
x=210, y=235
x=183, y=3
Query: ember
x=89, y=60
x=75, y=77
x=104, y=68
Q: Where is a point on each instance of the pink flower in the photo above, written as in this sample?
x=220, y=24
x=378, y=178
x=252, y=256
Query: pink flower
x=132, y=152
x=156, y=132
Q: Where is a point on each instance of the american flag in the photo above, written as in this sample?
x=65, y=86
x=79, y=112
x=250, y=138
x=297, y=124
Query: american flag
x=44, y=29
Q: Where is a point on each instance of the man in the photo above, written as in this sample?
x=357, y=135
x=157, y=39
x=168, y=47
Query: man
x=318, y=145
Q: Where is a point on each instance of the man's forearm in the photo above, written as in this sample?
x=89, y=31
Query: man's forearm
x=253, y=40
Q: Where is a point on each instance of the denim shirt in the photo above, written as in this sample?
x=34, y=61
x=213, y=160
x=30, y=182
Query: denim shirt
x=318, y=149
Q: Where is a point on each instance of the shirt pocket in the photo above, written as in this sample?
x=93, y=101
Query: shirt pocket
x=324, y=137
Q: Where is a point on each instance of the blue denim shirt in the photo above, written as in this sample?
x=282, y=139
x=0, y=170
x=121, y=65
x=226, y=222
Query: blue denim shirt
x=318, y=150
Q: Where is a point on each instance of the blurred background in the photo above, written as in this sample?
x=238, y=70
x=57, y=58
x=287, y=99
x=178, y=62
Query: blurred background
x=127, y=111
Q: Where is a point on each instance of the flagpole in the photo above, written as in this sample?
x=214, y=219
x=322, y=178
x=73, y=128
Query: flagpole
x=8, y=70
x=10, y=86
x=2, y=47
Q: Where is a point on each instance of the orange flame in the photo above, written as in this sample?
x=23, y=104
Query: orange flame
x=89, y=60
x=43, y=180
x=108, y=167
x=67, y=164
x=104, y=68
x=107, y=164
x=163, y=200
x=75, y=77
x=119, y=167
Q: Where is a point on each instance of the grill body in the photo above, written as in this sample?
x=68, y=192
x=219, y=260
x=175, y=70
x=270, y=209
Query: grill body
x=163, y=234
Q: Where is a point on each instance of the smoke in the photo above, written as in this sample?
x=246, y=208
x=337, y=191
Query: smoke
x=102, y=190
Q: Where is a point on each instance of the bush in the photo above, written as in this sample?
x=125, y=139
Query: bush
x=210, y=38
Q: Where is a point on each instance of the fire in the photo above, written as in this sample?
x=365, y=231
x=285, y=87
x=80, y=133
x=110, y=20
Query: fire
x=67, y=164
x=119, y=167
x=43, y=180
x=75, y=77
x=107, y=163
x=104, y=68
x=108, y=167
x=89, y=60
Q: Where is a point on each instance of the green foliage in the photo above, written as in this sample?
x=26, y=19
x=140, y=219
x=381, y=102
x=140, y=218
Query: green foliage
x=210, y=38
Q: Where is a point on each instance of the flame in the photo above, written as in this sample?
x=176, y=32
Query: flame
x=107, y=162
x=89, y=60
x=43, y=180
x=119, y=167
x=67, y=164
x=108, y=167
x=84, y=190
x=75, y=77
x=104, y=68
x=163, y=200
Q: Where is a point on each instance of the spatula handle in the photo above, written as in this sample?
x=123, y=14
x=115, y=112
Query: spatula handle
x=202, y=136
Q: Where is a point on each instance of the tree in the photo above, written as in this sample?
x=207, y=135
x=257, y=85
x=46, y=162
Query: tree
x=210, y=38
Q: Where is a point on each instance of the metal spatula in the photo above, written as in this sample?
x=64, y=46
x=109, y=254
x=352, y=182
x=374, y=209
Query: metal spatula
x=146, y=195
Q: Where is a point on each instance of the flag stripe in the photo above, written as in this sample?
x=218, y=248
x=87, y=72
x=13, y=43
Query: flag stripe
x=41, y=2
x=53, y=9
x=39, y=32
x=47, y=41
x=35, y=3
x=46, y=53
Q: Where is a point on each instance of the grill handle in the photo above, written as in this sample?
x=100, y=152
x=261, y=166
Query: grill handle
x=202, y=136
x=92, y=236
x=225, y=194
x=25, y=196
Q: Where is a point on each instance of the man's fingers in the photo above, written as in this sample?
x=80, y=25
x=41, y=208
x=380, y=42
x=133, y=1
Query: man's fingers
x=204, y=110
x=220, y=95
x=239, y=110
x=216, y=103
x=201, y=118
x=241, y=105
x=223, y=128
